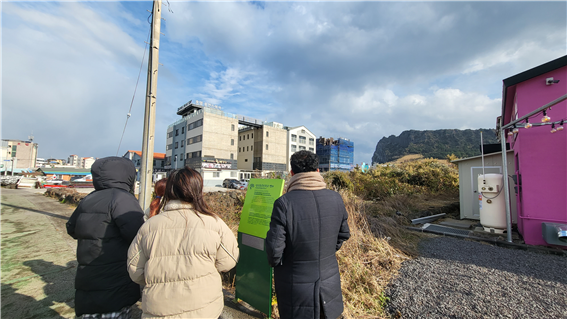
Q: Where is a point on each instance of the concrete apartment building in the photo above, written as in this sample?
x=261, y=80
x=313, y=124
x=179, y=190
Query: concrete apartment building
x=80, y=162
x=73, y=160
x=262, y=148
x=87, y=162
x=205, y=139
x=18, y=155
x=224, y=145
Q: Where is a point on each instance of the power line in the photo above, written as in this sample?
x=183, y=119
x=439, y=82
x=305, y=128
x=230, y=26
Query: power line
x=135, y=88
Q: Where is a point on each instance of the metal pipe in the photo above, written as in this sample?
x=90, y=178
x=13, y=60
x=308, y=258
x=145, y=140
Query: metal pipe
x=506, y=187
x=482, y=155
x=548, y=105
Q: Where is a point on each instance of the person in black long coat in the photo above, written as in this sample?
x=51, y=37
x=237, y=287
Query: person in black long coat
x=308, y=225
x=105, y=223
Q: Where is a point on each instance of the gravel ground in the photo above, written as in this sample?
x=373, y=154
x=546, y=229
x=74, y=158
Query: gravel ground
x=456, y=278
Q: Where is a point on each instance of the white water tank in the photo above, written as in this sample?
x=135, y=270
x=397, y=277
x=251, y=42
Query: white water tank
x=492, y=202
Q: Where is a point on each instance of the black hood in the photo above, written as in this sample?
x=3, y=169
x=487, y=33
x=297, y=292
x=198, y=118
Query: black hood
x=114, y=172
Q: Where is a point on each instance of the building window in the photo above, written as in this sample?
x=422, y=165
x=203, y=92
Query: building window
x=266, y=147
x=302, y=140
x=293, y=138
x=195, y=139
x=194, y=154
x=252, y=135
x=311, y=149
x=240, y=138
x=303, y=131
x=154, y=163
x=311, y=141
x=239, y=150
x=176, y=132
x=231, y=141
x=188, y=155
x=294, y=148
x=175, y=158
x=247, y=136
x=231, y=156
x=183, y=129
x=195, y=124
x=170, y=134
x=267, y=134
x=183, y=141
x=216, y=174
x=181, y=156
x=252, y=147
x=302, y=148
x=176, y=145
x=232, y=127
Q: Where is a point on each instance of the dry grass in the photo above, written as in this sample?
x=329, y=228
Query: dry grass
x=408, y=158
x=372, y=256
x=367, y=263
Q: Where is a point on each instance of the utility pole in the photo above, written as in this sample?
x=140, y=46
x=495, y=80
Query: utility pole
x=147, y=165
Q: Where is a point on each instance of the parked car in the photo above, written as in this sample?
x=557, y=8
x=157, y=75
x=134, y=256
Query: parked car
x=243, y=185
x=230, y=183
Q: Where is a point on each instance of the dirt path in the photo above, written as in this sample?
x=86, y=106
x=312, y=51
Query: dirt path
x=38, y=260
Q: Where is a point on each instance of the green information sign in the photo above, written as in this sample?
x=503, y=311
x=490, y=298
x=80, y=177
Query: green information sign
x=253, y=273
x=257, y=210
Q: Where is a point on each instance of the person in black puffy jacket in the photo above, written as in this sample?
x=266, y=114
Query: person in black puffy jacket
x=105, y=223
x=308, y=225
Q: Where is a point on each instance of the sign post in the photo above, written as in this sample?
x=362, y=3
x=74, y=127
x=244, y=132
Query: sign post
x=253, y=273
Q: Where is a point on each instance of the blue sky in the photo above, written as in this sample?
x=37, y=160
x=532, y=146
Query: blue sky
x=358, y=70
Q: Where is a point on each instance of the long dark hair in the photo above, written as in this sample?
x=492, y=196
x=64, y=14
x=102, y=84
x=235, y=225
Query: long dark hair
x=186, y=184
x=159, y=190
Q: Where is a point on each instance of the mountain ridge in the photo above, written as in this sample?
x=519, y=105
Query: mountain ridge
x=432, y=144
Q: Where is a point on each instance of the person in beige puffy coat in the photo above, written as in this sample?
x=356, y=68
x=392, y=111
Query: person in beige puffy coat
x=177, y=255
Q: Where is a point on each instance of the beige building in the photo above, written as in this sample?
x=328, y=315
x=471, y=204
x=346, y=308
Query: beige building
x=223, y=145
x=262, y=148
x=205, y=139
x=18, y=155
x=87, y=162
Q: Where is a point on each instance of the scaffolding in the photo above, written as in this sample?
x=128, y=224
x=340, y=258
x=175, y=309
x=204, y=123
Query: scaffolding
x=335, y=155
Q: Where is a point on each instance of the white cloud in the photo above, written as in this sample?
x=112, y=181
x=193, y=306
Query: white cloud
x=359, y=70
x=64, y=79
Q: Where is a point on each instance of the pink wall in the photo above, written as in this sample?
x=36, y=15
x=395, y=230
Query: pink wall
x=541, y=156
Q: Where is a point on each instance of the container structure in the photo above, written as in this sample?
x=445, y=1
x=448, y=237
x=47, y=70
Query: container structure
x=492, y=203
x=335, y=155
x=540, y=156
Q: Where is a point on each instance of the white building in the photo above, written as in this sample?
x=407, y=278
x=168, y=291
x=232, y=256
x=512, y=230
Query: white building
x=73, y=160
x=87, y=162
x=299, y=138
